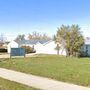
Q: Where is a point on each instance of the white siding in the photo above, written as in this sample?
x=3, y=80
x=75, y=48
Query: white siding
x=48, y=48
x=12, y=44
x=39, y=48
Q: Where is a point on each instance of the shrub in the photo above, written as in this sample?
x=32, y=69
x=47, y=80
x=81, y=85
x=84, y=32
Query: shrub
x=83, y=54
x=28, y=49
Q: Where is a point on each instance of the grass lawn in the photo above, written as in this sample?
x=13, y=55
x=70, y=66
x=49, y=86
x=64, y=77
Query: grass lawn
x=71, y=70
x=9, y=85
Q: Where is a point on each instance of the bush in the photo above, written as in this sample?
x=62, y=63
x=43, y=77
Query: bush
x=28, y=49
x=83, y=54
x=3, y=50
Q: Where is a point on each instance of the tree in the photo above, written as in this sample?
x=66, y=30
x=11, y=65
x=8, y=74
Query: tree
x=20, y=38
x=2, y=39
x=71, y=38
x=36, y=35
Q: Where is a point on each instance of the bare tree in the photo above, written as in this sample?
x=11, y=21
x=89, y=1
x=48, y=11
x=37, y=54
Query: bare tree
x=2, y=38
x=36, y=35
x=20, y=38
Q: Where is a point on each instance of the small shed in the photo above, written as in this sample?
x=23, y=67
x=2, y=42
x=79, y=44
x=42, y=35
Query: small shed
x=12, y=44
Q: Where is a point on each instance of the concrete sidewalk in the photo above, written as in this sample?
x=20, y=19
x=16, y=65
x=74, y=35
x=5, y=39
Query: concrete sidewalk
x=38, y=82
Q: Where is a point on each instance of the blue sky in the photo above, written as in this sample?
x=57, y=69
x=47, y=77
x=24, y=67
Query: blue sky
x=26, y=16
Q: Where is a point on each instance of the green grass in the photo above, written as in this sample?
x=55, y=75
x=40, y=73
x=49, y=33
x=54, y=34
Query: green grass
x=71, y=70
x=9, y=85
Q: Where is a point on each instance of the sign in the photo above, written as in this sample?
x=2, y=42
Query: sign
x=17, y=52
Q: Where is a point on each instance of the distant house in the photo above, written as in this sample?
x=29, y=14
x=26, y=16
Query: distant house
x=49, y=46
x=12, y=44
x=86, y=47
x=43, y=46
